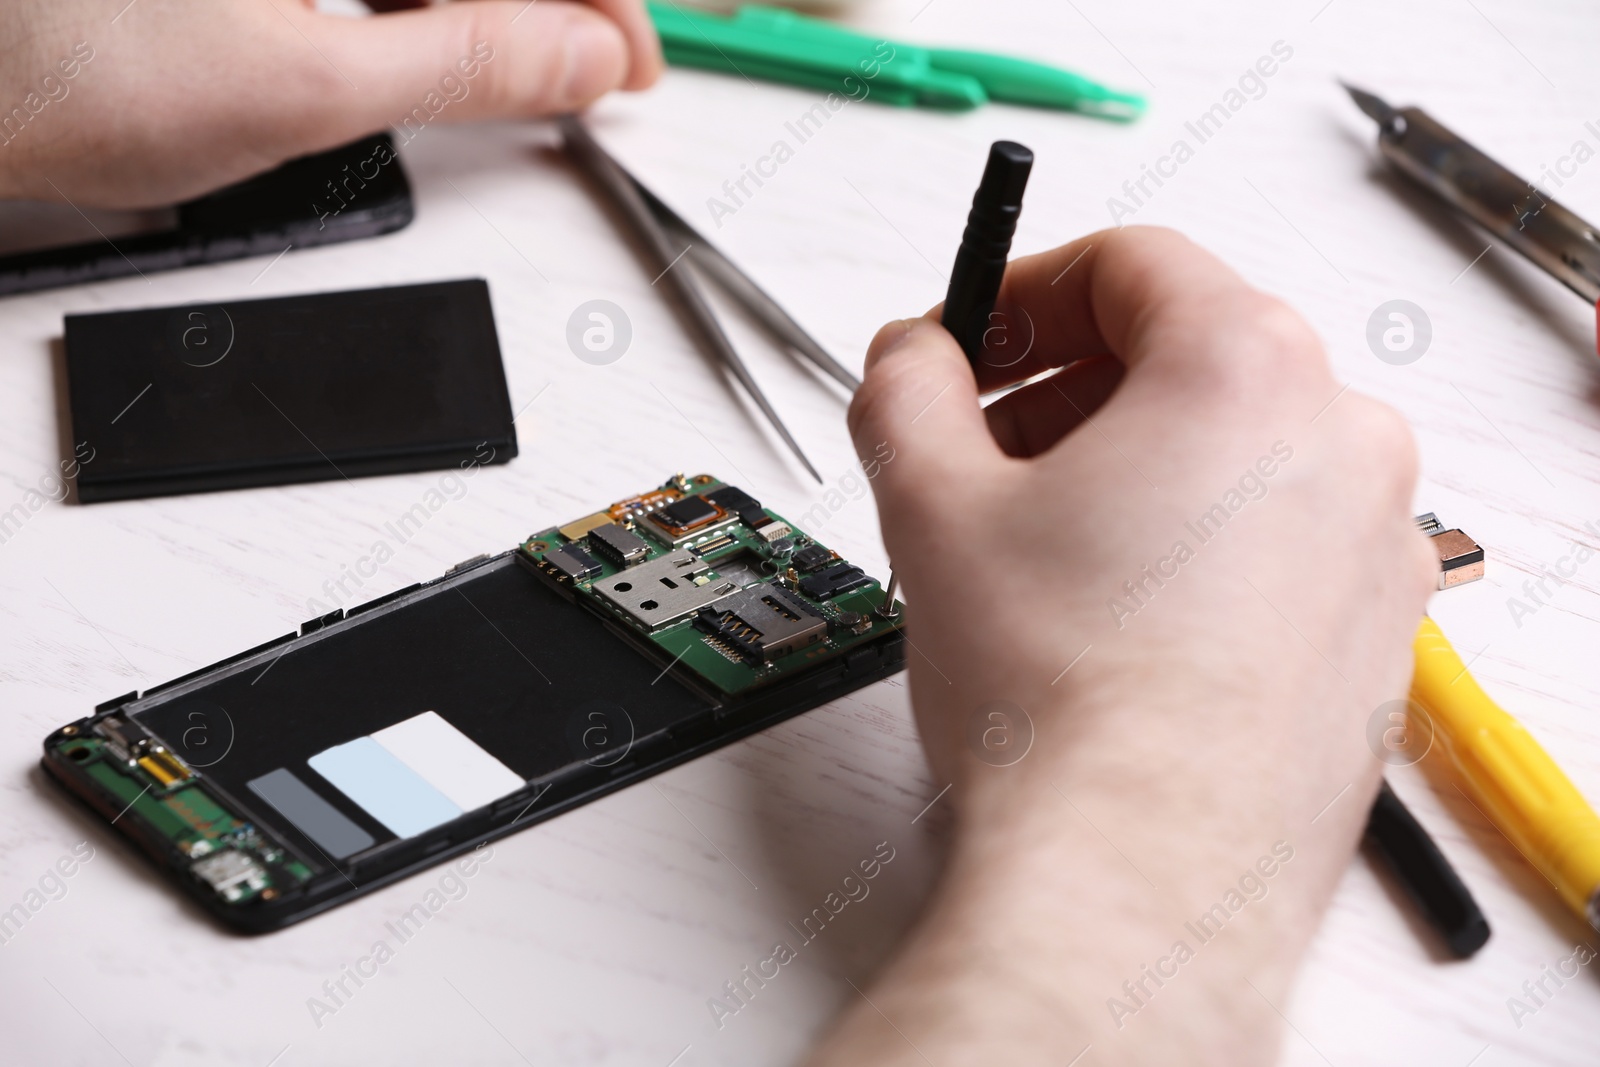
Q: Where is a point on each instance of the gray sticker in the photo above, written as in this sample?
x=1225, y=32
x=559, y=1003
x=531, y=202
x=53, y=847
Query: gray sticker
x=323, y=823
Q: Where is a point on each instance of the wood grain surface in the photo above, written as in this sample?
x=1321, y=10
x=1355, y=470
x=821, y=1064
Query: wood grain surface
x=599, y=937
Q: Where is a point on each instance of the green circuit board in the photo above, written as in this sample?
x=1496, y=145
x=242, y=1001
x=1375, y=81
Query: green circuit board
x=159, y=791
x=726, y=588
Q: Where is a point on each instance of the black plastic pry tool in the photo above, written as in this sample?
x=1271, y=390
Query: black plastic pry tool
x=985, y=244
x=1427, y=875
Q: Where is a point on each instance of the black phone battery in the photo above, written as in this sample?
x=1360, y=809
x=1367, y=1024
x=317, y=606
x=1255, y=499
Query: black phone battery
x=290, y=389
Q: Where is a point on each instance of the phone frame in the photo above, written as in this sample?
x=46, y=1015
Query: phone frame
x=725, y=719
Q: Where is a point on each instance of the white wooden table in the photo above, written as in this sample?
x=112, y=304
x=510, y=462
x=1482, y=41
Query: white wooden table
x=598, y=938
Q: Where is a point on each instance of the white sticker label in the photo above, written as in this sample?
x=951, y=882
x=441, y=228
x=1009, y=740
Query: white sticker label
x=449, y=760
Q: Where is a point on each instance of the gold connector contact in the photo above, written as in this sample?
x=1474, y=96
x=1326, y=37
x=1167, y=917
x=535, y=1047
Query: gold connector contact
x=1460, y=557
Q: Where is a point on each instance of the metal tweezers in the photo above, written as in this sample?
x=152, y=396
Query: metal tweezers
x=667, y=239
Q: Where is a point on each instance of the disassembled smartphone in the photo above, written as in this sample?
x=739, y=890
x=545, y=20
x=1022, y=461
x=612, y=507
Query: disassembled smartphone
x=354, y=191
x=388, y=738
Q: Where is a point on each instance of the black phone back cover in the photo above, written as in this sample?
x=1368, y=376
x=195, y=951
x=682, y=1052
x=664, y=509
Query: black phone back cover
x=289, y=389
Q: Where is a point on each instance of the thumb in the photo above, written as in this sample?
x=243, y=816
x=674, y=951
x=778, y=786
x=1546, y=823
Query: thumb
x=917, y=415
x=468, y=61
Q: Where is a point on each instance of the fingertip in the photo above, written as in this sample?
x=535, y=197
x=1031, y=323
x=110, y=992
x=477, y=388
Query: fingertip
x=890, y=336
x=902, y=335
x=646, y=64
x=645, y=61
x=595, y=60
x=462, y=62
x=919, y=397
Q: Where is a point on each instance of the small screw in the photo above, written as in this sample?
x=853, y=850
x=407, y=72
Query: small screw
x=887, y=610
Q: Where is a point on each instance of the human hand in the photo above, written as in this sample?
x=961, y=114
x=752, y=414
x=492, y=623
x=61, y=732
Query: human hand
x=1187, y=560
x=109, y=103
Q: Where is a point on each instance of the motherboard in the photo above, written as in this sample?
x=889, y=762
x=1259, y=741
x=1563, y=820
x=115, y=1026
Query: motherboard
x=721, y=585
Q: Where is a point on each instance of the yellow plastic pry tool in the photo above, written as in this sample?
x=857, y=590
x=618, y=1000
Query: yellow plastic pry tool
x=1509, y=776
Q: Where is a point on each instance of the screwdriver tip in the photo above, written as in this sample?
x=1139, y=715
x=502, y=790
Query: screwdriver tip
x=1371, y=104
x=887, y=609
